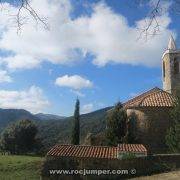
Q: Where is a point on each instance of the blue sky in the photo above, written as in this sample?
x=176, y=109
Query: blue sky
x=91, y=51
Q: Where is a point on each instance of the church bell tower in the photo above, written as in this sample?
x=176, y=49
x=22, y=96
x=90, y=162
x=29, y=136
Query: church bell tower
x=171, y=68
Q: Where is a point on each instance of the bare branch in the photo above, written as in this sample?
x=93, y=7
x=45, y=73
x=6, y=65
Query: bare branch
x=152, y=25
x=33, y=13
x=21, y=20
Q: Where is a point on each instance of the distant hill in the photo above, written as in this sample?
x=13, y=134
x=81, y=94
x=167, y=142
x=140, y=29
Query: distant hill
x=56, y=130
x=10, y=115
x=42, y=116
x=53, y=132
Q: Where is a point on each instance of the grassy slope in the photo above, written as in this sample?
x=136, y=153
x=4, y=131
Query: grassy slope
x=173, y=175
x=20, y=167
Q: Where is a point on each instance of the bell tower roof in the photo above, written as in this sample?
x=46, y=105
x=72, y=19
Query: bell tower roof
x=172, y=48
x=171, y=68
x=172, y=44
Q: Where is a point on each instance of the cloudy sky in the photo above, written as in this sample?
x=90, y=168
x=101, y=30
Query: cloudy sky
x=90, y=51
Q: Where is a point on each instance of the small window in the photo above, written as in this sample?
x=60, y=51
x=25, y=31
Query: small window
x=176, y=66
x=164, y=69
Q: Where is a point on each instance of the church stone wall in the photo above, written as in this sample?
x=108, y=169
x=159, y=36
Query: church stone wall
x=152, y=124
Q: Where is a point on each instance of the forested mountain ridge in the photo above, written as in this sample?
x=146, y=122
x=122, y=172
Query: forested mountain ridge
x=44, y=117
x=57, y=131
x=8, y=116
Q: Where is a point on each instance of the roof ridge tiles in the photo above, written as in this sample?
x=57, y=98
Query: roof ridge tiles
x=134, y=99
x=150, y=94
x=152, y=98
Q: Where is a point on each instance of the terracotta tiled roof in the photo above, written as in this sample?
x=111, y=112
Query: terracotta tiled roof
x=136, y=148
x=153, y=98
x=84, y=151
x=80, y=151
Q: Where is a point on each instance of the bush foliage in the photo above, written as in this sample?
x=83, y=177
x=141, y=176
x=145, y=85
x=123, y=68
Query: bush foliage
x=116, y=125
x=20, y=138
x=173, y=134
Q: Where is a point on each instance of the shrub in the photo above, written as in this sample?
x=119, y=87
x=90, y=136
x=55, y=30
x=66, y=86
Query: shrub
x=128, y=156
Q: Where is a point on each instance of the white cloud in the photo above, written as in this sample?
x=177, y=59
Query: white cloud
x=21, y=61
x=32, y=99
x=87, y=108
x=105, y=34
x=76, y=82
x=4, y=77
x=78, y=93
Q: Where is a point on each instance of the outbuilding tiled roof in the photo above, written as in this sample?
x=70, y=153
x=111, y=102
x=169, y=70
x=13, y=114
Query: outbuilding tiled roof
x=153, y=98
x=135, y=148
x=81, y=151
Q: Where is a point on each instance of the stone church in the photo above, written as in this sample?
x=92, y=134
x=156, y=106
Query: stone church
x=153, y=107
x=152, y=111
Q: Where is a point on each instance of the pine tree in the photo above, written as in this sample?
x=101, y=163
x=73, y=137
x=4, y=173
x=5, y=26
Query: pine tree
x=173, y=134
x=116, y=125
x=76, y=124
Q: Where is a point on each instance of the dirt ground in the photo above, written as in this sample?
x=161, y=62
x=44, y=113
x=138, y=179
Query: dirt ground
x=174, y=175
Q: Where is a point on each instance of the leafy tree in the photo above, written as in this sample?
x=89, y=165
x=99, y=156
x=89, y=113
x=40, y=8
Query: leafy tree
x=173, y=134
x=131, y=129
x=8, y=140
x=76, y=128
x=20, y=137
x=116, y=125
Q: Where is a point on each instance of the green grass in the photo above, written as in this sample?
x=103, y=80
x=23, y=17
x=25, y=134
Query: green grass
x=14, y=167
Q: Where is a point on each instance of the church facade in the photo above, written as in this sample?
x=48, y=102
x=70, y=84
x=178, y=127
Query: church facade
x=153, y=107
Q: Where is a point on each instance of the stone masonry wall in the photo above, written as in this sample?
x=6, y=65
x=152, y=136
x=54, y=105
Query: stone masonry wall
x=152, y=124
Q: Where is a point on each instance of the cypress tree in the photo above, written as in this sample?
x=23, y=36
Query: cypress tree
x=76, y=124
